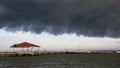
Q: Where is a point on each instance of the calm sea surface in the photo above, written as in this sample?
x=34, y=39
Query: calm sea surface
x=62, y=61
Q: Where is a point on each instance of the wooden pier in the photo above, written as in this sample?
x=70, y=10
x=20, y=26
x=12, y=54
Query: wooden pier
x=38, y=53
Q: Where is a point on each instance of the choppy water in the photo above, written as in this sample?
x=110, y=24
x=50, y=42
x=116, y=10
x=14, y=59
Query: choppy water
x=63, y=61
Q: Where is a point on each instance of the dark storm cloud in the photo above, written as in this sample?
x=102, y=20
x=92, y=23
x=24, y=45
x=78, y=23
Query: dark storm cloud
x=87, y=17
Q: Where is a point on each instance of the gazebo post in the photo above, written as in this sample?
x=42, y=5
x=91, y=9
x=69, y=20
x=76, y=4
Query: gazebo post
x=31, y=48
x=23, y=49
x=17, y=49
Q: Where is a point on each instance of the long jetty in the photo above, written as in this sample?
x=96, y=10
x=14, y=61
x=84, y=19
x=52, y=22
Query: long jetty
x=37, y=53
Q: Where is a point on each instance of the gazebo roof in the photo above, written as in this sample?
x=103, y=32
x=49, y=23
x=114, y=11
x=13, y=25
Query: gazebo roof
x=24, y=44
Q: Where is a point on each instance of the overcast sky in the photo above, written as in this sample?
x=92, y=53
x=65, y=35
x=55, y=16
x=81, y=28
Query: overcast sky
x=60, y=42
x=61, y=24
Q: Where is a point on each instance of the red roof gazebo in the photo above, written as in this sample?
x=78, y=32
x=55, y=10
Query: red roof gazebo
x=24, y=45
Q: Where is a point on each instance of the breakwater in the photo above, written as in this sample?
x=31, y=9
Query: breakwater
x=37, y=53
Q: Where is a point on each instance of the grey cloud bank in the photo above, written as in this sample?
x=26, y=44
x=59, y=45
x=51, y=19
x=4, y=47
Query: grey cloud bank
x=87, y=17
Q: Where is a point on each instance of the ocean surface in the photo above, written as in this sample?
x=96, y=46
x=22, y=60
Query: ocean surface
x=62, y=61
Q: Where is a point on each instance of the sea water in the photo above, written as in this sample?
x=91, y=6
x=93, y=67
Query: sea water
x=62, y=61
